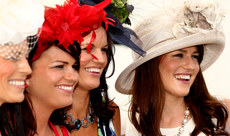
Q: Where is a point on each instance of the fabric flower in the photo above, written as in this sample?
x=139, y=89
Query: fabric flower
x=19, y=19
x=198, y=16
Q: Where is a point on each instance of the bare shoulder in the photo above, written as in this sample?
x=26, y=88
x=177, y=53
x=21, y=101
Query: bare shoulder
x=116, y=118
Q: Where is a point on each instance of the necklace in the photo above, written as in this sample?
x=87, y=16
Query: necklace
x=77, y=123
x=186, y=115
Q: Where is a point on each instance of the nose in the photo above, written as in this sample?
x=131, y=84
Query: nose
x=190, y=63
x=72, y=75
x=100, y=57
x=23, y=66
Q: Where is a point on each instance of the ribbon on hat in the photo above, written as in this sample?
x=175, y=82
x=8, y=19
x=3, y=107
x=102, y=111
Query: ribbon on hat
x=118, y=33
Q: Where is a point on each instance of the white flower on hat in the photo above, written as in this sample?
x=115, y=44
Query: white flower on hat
x=19, y=19
x=199, y=16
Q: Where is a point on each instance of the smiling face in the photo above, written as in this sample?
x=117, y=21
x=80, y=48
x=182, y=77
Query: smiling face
x=178, y=70
x=13, y=73
x=53, y=79
x=90, y=68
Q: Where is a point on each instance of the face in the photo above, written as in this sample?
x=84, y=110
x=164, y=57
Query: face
x=90, y=68
x=53, y=79
x=13, y=73
x=178, y=70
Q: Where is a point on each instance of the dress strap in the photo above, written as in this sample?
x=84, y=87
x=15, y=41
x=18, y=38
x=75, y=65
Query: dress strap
x=64, y=131
x=54, y=129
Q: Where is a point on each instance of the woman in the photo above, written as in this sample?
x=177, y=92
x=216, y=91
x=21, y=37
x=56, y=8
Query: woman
x=54, y=75
x=169, y=95
x=92, y=113
x=18, y=34
x=91, y=105
x=54, y=61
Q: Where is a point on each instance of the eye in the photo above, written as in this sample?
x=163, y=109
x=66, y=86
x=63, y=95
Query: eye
x=105, y=50
x=75, y=66
x=195, y=57
x=59, y=66
x=179, y=55
x=14, y=58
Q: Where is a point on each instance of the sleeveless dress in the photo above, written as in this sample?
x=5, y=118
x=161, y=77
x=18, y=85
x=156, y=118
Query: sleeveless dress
x=63, y=129
x=106, y=130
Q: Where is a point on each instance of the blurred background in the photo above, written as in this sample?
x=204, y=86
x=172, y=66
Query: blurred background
x=216, y=76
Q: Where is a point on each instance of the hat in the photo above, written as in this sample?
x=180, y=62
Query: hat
x=19, y=19
x=165, y=30
x=119, y=10
x=71, y=22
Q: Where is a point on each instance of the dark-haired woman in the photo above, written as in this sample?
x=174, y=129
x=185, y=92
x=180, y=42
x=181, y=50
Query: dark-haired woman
x=169, y=94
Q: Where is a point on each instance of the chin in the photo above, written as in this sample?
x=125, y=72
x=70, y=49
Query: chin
x=17, y=99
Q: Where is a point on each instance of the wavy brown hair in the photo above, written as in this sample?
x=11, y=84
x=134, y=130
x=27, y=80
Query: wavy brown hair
x=148, y=101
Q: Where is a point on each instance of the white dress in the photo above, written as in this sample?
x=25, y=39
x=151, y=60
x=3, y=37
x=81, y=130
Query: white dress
x=188, y=128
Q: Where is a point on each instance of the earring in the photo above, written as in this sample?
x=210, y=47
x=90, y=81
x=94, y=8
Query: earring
x=103, y=96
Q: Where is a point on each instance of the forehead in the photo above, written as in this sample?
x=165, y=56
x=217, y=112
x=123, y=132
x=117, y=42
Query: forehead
x=54, y=53
x=101, y=38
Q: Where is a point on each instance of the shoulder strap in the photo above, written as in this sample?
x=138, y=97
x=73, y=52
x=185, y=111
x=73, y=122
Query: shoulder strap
x=64, y=131
x=54, y=129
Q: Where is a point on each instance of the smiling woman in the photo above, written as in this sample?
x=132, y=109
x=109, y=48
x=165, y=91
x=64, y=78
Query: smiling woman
x=19, y=24
x=169, y=94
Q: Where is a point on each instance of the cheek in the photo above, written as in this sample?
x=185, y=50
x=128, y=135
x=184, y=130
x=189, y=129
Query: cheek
x=7, y=70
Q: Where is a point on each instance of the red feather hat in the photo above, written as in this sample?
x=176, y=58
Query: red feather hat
x=69, y=22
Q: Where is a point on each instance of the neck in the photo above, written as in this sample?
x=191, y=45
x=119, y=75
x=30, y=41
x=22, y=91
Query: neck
x=80, y=106
x=173, y=113
x=42, y=114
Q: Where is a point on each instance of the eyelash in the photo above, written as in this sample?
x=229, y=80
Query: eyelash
x=181, y=56
x=75, y=66
x=59, y=66
x=104, y=50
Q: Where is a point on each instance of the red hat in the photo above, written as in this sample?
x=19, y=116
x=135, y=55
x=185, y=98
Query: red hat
x=70, y=22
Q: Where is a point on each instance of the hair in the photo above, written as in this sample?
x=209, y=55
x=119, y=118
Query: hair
x=11, y=120
x=57, y=117
x=146, y=108
x=102, y=109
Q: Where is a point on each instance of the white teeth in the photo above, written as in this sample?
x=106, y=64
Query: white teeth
x=186, y=77
x=70, y=88
x=93, y=70
x=13, y=82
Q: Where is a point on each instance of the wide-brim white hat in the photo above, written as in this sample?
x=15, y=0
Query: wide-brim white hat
x=162, y=32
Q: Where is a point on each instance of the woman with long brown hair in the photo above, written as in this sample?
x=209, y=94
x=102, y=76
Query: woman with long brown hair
x=169, y=94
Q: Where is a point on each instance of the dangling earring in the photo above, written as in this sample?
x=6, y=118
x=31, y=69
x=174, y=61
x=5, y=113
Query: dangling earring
x=103, y=96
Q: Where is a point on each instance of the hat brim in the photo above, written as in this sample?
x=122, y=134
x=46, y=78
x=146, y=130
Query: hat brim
x=213, y=42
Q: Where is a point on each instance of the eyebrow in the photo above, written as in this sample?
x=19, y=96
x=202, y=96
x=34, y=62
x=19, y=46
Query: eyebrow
x=60, y=61
x=94, y=45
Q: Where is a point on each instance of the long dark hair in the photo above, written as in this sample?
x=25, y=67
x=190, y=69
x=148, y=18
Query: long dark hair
x=57, y=117
x=102, y=109
x=11, y=120
x=149, y=105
